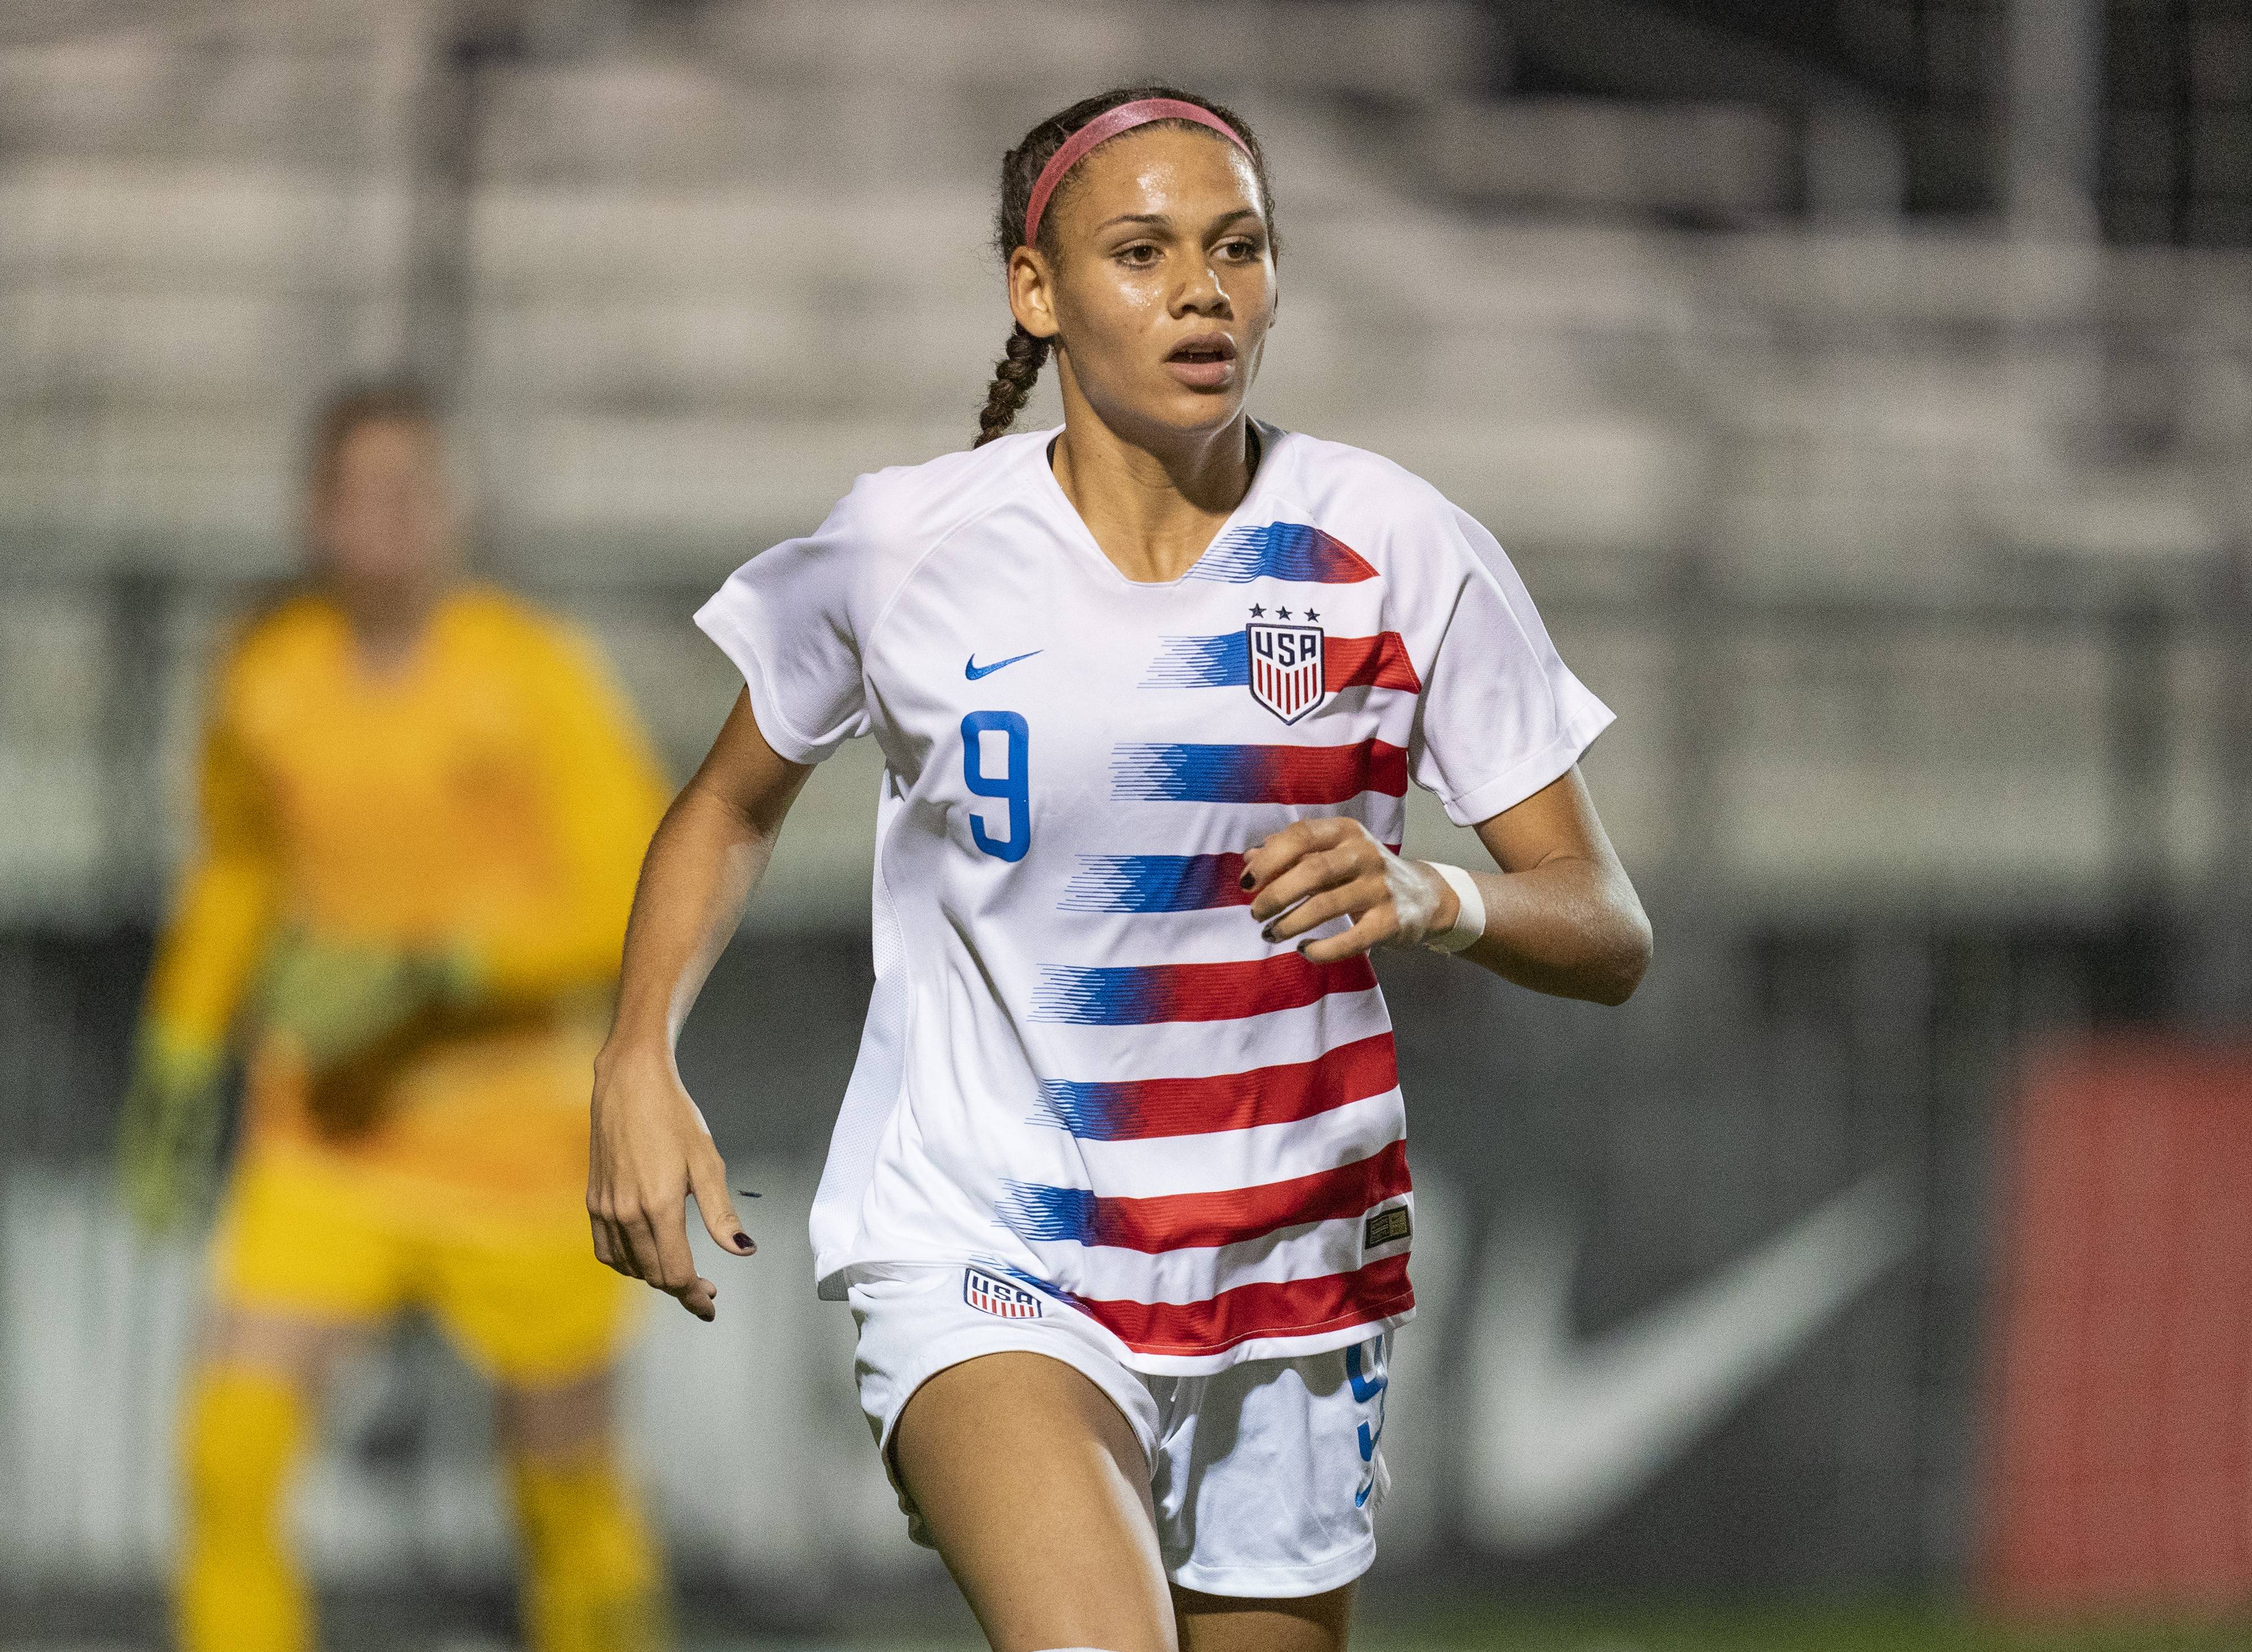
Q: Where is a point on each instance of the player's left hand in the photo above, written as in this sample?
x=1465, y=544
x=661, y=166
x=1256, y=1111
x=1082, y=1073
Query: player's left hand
x=168, y=1130
x=1310, y=872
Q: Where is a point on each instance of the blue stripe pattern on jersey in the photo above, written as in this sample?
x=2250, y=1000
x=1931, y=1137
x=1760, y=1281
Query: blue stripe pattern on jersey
x=1137, y=995
x=1115, y=996
x=1150, y=772
x=1202, y=662
x=1092, y=1110
x=1155, y=883
x=1281, y=551
x=1035, y=1211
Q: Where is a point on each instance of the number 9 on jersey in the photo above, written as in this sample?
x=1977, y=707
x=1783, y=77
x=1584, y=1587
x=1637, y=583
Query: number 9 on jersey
x=1011, y=783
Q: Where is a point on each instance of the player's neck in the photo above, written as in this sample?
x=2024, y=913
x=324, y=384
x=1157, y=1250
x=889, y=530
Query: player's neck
x=1152, y=505
x=388, y=624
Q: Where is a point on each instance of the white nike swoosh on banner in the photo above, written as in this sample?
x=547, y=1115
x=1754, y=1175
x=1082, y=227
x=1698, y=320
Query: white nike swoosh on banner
x=1562, y=1433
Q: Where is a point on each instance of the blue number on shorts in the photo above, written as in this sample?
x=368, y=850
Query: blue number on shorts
x=1011, y=783
x=1365, y=1387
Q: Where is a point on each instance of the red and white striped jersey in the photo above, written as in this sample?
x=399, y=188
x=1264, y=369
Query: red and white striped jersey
x=1083, y=1068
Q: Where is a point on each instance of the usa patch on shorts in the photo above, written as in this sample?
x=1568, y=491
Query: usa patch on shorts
x=998, y=1297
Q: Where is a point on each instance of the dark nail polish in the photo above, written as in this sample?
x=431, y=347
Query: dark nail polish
x=744, y=1240
x=1247, y=880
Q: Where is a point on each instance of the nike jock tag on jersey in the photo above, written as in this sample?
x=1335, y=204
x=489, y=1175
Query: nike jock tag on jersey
x=1384, y=1226
x=998, y=1297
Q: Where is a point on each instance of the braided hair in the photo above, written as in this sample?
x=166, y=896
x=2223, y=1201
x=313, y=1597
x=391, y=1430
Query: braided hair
x=1018, y=369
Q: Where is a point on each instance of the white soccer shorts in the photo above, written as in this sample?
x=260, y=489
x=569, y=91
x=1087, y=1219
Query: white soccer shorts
x=1266, y=1475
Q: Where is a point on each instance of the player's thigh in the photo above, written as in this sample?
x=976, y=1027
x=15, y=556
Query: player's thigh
x=1036, y=1491
x=1219, y=1623
x=303, y=1351
x=558, y=1421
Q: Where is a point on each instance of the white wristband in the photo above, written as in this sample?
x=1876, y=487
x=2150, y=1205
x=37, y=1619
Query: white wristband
x=1470, y=922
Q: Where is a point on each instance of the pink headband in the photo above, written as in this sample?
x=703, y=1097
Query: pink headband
x=1104, y=127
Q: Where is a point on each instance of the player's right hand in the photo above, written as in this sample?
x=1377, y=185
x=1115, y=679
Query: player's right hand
x=168, y=1132
x=650, y=1149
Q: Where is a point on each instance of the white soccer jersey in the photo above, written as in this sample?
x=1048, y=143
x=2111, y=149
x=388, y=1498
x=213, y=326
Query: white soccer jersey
x=1082, y=1065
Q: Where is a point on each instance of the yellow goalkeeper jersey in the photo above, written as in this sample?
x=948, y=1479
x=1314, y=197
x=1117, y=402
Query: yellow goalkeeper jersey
x=492, y=795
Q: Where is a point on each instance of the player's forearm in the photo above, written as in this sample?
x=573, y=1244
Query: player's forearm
x=1569, y=926
x=209, y=952
x=702, y=864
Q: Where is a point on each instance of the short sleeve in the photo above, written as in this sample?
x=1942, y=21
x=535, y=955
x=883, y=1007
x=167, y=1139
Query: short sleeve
x=1501, y=716
x=789, y=618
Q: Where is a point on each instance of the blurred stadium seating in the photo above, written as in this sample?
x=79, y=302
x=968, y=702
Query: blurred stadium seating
x=1906, y=524
x=710, y=267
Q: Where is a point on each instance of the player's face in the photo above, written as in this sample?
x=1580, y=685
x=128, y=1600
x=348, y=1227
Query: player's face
x=1165, y=285
x=383, y=522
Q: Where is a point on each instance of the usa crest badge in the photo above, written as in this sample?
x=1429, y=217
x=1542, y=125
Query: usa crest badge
x=1286, y=666
x=998, y=1297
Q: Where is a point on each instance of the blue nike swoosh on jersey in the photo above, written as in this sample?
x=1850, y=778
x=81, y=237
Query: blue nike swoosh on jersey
x=971, y=670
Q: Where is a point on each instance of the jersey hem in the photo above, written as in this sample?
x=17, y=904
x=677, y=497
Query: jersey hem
x=835, y=1285
x=1293, y=1347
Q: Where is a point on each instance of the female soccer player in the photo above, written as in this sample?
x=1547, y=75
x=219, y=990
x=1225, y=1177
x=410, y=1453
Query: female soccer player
x=422, y=808
x=1118, y=1193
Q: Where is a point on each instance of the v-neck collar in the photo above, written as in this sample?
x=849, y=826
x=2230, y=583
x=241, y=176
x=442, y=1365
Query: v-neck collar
x=1246, y=508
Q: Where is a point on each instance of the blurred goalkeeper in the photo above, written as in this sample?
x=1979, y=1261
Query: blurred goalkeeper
x=423, y=805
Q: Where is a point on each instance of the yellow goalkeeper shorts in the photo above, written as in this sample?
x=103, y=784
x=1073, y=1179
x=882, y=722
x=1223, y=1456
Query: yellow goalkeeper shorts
x=315, y=1236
